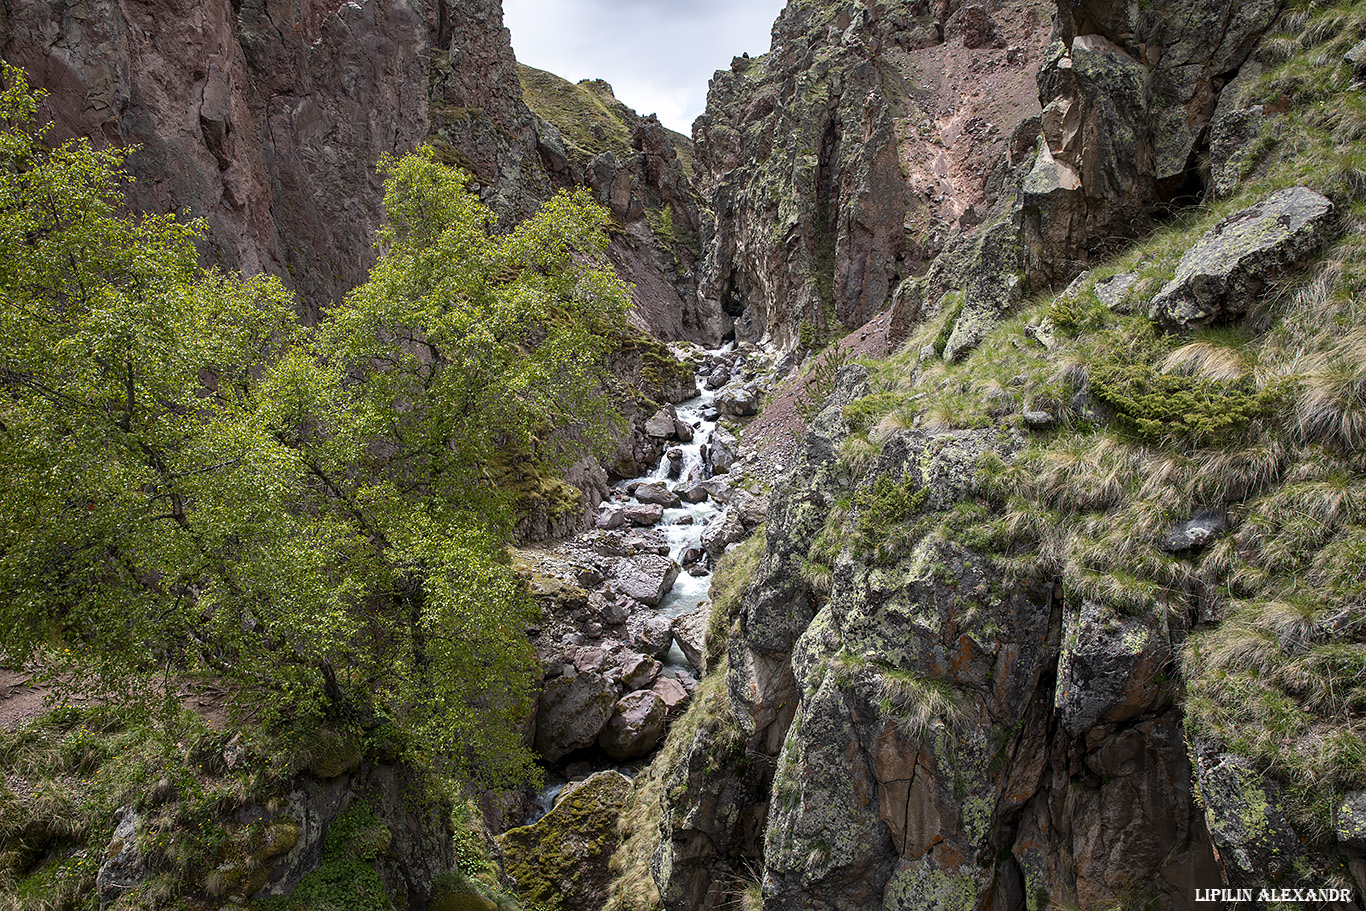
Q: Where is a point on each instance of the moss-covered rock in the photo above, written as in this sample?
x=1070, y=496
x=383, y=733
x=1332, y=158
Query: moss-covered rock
x=560, y=863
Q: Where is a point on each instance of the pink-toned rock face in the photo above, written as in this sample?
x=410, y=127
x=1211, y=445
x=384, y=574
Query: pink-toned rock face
x=267, y=120
x=635, y=727
x=671, y=692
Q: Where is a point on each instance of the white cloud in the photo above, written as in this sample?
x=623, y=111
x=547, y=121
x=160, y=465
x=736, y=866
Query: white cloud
x=657, y=54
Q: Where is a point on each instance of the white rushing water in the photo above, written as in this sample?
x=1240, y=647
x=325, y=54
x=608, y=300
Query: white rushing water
x=682, y=527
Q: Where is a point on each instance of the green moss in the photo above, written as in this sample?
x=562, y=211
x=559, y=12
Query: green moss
x=327, y=753
x=345, y=879
x=953, y=308
x=566, y=853
x=534, y=487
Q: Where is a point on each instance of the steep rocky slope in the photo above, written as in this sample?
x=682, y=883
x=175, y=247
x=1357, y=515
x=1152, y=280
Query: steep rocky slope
x=1057, y=607
x=267, y=120
x=644, y=174
x=264, y=119
x=839, y=163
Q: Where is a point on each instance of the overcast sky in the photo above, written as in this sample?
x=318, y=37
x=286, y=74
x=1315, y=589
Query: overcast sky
x=658, y=54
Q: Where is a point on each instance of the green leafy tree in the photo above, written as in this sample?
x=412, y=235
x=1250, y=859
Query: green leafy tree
x=194, y=484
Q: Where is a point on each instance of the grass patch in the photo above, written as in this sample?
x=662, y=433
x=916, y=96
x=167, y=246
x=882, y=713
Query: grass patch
x=587, y=114
x=734, y=572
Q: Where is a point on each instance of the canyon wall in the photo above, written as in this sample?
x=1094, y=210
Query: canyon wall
x=842, y=161
x=925, y=728
x=266, y=118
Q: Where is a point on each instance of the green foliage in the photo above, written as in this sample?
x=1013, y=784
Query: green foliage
x=1154, y=405
x=879, y=508
x=345, y=879
x=196, y=485
x=1074, y=313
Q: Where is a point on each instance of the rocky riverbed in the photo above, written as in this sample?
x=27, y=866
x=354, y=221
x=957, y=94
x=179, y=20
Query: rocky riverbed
x=625, y=605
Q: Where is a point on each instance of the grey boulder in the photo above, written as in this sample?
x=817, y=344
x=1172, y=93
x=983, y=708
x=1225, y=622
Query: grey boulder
x=1223, y=273
x=659, y=493
x=571, y=712
x=646, y=578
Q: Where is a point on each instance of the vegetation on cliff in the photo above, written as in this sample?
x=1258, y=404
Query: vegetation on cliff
x=1130, y=431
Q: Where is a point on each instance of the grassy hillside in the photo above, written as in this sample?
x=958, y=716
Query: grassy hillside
x=587, y=114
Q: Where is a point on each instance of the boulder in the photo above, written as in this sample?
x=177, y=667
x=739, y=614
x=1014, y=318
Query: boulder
x=1356, y=59
x=645, y=542
x=694, y=493
x=644, y=514
x=721, y=451
x=1255, y=841
x=588, y=660
x=690, y=632
x=1111, y=291
x=125, y=867
x=1224, y=272
x=650, y=633
x=659, y=493
x=661, y=424
x=571, y=712
x=1196, y=533
x=718, y=377
x=611, y=517
x=646, y=578
x=726, y=529
x=638, y=671
x=683, y=431
x=719, y=489
x=739, y=403
x=635, y=727
x=1230, y=147
x=563, y=858
x=671, y=692
x=753, y=510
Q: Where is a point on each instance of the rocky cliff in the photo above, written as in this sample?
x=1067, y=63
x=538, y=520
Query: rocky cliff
x=840, y=162
x=1020, y=637
x=644, y=174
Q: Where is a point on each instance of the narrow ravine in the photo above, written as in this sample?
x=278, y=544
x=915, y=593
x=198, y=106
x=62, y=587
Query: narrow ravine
x=618, y=598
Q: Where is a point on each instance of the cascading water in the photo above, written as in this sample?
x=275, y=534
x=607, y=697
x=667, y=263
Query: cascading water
x=681, y=528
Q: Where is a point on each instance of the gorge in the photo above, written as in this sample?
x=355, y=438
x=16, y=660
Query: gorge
x=1013, y=557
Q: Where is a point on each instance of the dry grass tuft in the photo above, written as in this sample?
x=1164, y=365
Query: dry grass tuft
x=1208, y=360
